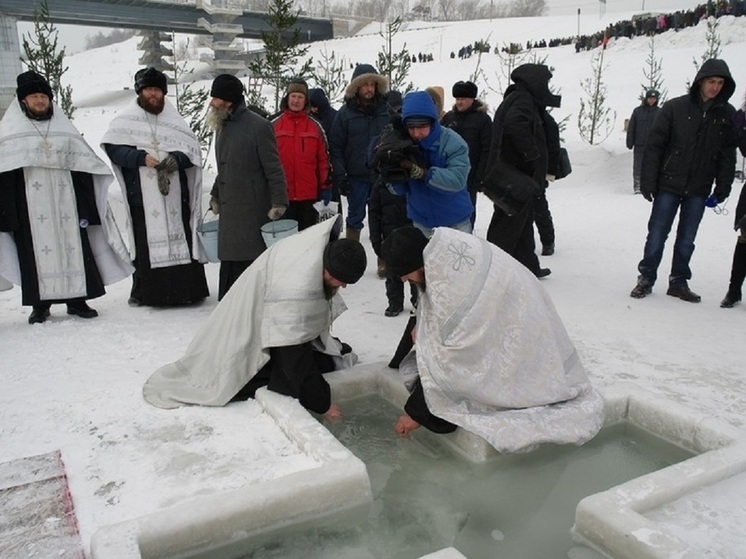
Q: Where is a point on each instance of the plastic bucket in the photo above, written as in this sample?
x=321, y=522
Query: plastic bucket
x=276, y=230
x=207, y=231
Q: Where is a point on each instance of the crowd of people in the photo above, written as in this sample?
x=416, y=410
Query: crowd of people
x=643, y=25
x=415, y=169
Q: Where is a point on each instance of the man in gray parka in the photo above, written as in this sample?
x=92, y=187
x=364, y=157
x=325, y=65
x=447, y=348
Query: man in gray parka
x=250, y=188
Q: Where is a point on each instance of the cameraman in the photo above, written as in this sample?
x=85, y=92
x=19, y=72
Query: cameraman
x=434, y=171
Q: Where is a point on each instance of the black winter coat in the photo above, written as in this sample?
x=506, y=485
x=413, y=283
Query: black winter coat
x=387, y=211
x=640, y=123
x=551, y=130
x=691, y=145
x=475, y=127
x=519, y=136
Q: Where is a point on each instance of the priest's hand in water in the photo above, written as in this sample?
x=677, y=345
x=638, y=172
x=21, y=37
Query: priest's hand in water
x=334, y=413
x=405, y=426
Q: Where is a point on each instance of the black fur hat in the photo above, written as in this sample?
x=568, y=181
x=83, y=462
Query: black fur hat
x=464, y=89
x=150, y=77
x=30, y=82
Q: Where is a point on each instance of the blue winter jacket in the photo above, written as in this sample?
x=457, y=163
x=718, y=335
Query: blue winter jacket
x=440, y=198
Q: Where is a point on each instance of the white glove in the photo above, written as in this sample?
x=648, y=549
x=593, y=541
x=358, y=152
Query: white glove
x=276, y=212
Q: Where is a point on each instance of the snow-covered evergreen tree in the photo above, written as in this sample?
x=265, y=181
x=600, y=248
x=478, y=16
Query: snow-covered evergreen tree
x=653, y=72
x=595, y=118
x=329, y=74
x=281, y=49
x=394, y=65
x=45, y=57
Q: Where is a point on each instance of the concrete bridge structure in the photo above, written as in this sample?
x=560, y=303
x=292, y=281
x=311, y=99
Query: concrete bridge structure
x=220, y=21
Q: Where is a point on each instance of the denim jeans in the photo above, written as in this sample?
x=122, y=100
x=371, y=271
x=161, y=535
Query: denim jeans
x=665, y=206
x=357, y=201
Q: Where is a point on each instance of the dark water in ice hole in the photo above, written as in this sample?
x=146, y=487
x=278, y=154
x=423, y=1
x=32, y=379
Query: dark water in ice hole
x=511, y=507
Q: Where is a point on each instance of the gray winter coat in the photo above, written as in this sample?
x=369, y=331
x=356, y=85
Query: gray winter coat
x=250, y=181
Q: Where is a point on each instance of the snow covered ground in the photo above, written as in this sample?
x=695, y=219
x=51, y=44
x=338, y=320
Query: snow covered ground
x=75, y=385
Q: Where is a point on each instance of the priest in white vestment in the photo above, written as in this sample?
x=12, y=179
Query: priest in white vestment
x=58, y=238
x=491, y=354
x=272, y=328
x=158, y=162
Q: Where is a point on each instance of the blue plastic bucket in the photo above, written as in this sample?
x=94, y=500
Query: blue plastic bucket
x=276, y=230
x=207, y=231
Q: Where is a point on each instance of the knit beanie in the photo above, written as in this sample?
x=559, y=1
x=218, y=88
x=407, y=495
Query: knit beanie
x=31, y=82
x=227, y=87
x=652, y=93
x=464, y=89
x=150, y=77
x=297, y=85
x=345, y=260
x=402, y=250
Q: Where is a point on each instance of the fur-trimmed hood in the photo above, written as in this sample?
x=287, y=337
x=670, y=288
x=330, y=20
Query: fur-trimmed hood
x=363, y=73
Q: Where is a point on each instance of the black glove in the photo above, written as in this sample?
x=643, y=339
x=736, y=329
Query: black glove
x=647, y=195
x=415, y=171
x=720, y=197
x=377, y=249
x=343, y=185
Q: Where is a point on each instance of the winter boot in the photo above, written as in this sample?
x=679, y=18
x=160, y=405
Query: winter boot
x=684, y=293
x=641, y=290
x=353, y=234
x=737, y=276
x=81, y=309
x=39, y=314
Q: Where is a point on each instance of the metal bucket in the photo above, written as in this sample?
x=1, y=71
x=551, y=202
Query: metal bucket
x=207, y=231
x=276, y=230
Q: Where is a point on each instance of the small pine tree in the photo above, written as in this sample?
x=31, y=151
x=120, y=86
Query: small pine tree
x=281, y=48
x=478, y=75
x=329, y=74
x=192, y=103
x=43, y=56
x=394, y=65
x=595, y=119
x=713, y=50
x=653, y=72
x=254, y=97
x=511, y=56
